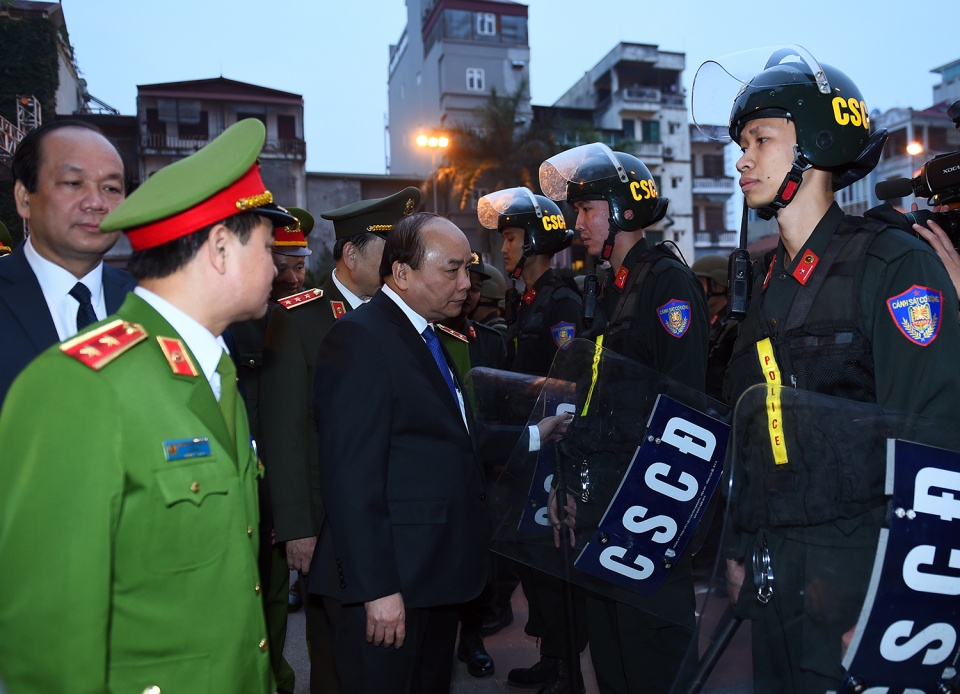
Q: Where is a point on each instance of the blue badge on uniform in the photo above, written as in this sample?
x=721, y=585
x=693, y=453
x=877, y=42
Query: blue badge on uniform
x=916, y=313
x=182, y=449
x=675, y=317
x=563, y=334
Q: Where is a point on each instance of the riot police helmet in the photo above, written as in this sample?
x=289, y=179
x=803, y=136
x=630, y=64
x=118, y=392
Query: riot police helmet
x=595, y=172
x=545, y=229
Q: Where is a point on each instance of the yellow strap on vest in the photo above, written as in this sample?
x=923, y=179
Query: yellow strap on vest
x=596, y=373
x=771, y=372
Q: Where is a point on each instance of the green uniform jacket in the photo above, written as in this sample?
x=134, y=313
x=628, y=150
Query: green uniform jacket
x=123, y=570
x=288, y=430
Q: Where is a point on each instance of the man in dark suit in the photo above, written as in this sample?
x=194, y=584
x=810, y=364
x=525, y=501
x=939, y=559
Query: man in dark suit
x=406, y=524
x=406, y=529
x=67, y=177
x=289, y=438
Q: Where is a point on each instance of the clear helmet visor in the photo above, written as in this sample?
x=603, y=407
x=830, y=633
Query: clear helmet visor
x=593, y=162
x=510, y=201
x=719, y=82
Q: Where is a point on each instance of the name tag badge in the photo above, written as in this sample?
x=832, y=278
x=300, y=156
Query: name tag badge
x=183, y=449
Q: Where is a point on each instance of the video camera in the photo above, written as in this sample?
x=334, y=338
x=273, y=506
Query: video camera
x=939, y=182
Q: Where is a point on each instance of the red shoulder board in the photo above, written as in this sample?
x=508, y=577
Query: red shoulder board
x=338, y=308
x=622, y=275
x=451, y=332
x=177, y=356
x=301, y=298
x=529, y=296
x=99, y=347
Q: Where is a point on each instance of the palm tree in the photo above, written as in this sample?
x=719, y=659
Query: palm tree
x=495, y=152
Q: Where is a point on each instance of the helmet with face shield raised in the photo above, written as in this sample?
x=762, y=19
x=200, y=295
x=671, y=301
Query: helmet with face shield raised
x=595, y=172
x=545, y=230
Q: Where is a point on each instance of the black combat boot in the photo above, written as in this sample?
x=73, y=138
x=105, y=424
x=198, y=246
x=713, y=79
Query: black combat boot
x=537, y=675
x=562, y=683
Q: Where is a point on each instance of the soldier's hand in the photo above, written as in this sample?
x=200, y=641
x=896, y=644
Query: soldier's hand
x=300, y=553
x=570, y=520
x=386, y=621
x=736, y=572
x=554, y=426
x=940, y=242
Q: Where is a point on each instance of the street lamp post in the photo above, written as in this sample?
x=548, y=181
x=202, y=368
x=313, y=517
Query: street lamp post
x=433, y=141
x=913, y=149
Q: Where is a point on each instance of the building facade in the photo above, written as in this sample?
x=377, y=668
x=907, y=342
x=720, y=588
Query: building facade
x=451, y=55
x=636, y=91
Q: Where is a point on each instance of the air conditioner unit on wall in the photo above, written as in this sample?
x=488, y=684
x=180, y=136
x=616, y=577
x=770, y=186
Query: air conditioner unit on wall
x=668, y=152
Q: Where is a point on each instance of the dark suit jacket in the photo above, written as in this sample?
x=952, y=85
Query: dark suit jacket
x=26, y=328
x=401, y=482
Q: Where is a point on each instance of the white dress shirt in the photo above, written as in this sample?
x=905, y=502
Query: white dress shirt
x=56, y=283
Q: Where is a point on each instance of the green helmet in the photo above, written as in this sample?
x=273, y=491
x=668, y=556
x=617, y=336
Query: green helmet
x=494, y=287
x=545, y=229
x=713, y=266
x=595, y=172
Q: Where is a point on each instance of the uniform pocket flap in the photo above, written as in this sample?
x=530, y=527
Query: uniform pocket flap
x=192, y=483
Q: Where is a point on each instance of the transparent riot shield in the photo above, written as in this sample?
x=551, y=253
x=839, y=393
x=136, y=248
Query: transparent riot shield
x=637, y=466
x=841, y=534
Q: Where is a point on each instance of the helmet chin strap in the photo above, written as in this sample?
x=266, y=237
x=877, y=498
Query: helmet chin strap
x=526, y=253
x=607, y=250
x=518, y=270
x=789, y=187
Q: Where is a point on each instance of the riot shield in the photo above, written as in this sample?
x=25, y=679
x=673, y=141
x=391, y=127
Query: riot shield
x=638, y=466
x=847, y=574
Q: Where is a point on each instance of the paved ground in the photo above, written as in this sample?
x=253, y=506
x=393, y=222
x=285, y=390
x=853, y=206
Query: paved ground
x=512, y=648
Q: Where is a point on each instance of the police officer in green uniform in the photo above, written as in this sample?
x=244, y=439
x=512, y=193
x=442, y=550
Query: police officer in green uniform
x=825, y=316
x=650, y=309
x=472, y=344
x=245, y=340
x=294, y=333
x=546, y=318
x=137, y=484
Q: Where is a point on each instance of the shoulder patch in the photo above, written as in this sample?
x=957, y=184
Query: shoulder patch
x=301, y=298
x=451, y=332
x=177, y=356
x=339, y=309
x=563, y=334
x=99, y=347
x=675, y=317
x=916, y=313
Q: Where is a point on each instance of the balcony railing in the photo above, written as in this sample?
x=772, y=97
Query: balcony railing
x=643, y=95
x=286, y=148
x=720, y=239
x=703, y=185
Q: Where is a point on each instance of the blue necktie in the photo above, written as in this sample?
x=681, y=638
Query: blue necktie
x=433, y=342
x=85, y=314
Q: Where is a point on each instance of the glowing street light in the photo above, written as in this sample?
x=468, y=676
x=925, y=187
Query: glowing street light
x=913, y=149
x=433, y=142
